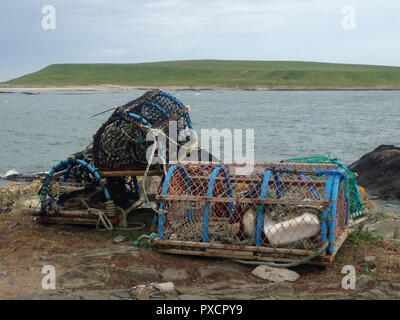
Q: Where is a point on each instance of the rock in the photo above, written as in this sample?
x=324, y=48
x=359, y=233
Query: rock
x=279, y=290
x=379, y=217
x=11, y=194
x=275, y=274
x=165, y=287
x=395, y=286
x=374, y=294
x=119, y=239
x=94, y=275
x=237, y=296
x=93, y=295
x=324, y=296
x=175, y=274
x=322, y=285
x=390, y=215
x=192, y=297
x=216, y=269
x=122, y=295
x=110, y=253
x=31, y=203
x=369, y=259
x=143, y=292
x=379, y=171
x=3, y=272
x=141, y=273
x=387, y=229
x=50, y=296
x=365, y=282
x=79, y=258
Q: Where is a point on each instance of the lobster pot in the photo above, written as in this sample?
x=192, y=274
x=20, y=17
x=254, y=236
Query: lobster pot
x=121, y=143
x=271, y=208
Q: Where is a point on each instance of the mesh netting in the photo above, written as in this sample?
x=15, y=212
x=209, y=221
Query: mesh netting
x=277, y=205
x=121, y=141
x=357, y=210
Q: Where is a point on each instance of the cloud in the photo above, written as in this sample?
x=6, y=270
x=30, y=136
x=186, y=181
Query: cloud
x=142, y=30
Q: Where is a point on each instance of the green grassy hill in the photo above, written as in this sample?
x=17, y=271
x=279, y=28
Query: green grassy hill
x=216, y=73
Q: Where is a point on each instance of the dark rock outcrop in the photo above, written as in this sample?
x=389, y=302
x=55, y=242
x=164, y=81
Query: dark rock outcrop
x=379, y=171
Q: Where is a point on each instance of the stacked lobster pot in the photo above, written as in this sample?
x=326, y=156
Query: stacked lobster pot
x=100, y=184
x=282, y=212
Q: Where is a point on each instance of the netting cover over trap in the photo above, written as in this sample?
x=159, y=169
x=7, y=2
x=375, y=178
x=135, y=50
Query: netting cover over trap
x=293, y=206
x=356, y=208
x=121, y=141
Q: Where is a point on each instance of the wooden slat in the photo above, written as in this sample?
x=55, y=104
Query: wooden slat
x=127, y=173
x=231, y=247
x=357, y=221
x=341, y=240
x=190, y=198
x=261, y=164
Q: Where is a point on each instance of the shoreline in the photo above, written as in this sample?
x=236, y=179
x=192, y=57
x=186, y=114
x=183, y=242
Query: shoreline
x=29, y=89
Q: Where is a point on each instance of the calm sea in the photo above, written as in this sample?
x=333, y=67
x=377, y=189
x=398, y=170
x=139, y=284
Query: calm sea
x=38, y=130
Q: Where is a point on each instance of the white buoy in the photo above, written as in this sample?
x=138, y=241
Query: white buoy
x=304, y=226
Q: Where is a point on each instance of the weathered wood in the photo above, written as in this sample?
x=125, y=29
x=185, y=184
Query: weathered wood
x=260, y=164
x=232, y=252
x=245, y=252
x=357, y=221
x=341, y=240
x=127, y=173
x=232, y=247
x=190, y=198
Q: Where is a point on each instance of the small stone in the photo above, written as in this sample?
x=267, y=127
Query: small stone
x=143, y=293
x=119, y=239
x=369, y=258
x=275, y=274
x=165, y=287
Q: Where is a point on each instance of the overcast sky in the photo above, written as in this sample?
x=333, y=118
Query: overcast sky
x=129, y=31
